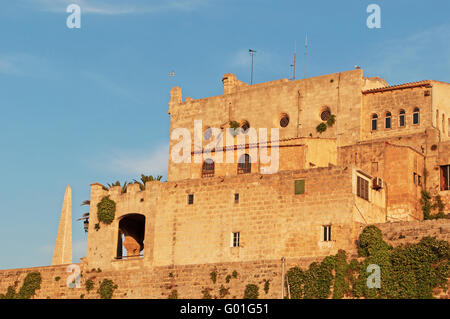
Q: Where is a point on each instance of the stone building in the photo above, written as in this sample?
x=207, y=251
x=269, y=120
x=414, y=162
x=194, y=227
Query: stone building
x=267, y=176
x=368, y=164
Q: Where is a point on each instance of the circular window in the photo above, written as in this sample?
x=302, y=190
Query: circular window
x=325, y=115
x=207, y=134
x=284, y=121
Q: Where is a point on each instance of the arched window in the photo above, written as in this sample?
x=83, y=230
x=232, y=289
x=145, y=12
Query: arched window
x=244, y=164
x=374, y=122
x=387, y=120
x=401, y=118
x=131, y=236
x=208, y=168
x=416, y=116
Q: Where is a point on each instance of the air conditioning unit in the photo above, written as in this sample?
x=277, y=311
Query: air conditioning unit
x=377, y=183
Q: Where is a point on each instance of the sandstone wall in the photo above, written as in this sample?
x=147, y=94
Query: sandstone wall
x=263, y=104
x=272, y=220
x=190, y=280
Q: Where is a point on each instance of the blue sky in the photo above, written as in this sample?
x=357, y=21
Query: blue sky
x=90, y=105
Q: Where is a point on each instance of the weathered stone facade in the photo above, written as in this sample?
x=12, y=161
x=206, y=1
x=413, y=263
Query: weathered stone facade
x=369, y=167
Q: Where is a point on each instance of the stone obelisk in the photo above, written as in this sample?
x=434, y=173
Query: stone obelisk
x=63, y=246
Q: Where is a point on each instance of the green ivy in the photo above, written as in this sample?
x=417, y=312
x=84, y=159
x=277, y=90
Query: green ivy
x=234, y=274
x=31, y=283
x=173, y=295
x=251, y=292
x=89, y=285
x=57, y=278
x=223, y=291
x=266, y=286
x=411, y=271
x=106, y=210
x=322, y=127
x=106, y=289
x=428, y=206
x=213, y=276
x=206, y=293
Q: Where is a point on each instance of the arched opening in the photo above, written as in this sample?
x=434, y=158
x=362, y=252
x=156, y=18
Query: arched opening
x=401, y=118
x=387, y=120
x=208, y=168
x=244, y=164
x=131, y=234
x=416, y=114
x=374, y=122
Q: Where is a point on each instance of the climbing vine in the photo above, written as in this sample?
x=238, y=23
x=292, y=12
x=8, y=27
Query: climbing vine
x=411, y=271
x=106, y=289
x=173, y=295
x=31, y=283
x=106, y=210
x=89, y=284
x=251, y=292
x=429, y=205
x=213, y=276
x=266, y=286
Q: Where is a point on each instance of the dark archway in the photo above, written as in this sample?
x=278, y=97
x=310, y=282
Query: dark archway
x=131, y=235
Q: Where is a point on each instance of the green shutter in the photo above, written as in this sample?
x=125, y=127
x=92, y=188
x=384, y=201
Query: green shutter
x=299, y=186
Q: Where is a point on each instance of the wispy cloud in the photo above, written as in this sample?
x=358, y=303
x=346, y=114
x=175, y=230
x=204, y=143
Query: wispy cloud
x=136, y=163
x=110, y=86
x=24, y=64
x=412, y=58
x=116, y=7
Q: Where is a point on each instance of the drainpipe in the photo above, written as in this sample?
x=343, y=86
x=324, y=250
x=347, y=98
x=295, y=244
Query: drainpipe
x=282, y=277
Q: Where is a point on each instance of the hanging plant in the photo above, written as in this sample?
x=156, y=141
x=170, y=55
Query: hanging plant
x=106, y=210
x=322, y=127
x=331, y=120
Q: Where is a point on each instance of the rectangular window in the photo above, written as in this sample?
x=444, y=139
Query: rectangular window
x=374, y=124
x=236, y=239
x=388, y=122
x=236, y=198
x=419, y=180
x=362, y=188
x=299, y=187
x=326, y=233
x=414, y=178
x=190, y=199
x=415, y=118
x=445, y=178
x=401, y=120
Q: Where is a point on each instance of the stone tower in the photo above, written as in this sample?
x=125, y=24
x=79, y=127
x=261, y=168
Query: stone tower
x=63, y=246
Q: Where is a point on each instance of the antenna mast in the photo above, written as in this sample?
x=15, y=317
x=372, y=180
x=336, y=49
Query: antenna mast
x=295, y=59
x=252, y=53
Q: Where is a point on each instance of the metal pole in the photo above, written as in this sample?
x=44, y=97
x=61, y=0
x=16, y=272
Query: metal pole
x=252, y=53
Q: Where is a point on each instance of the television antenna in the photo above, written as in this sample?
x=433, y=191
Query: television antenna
x=295, y=59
